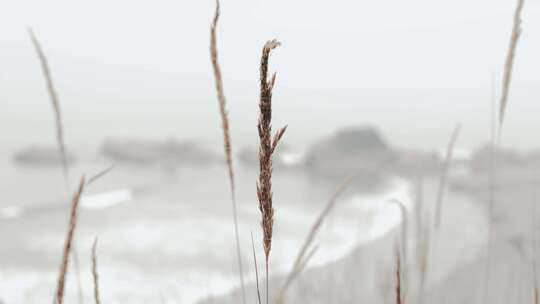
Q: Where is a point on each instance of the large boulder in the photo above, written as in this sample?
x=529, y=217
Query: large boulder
x=351, y=150
x=151, y=151
x=41, y=155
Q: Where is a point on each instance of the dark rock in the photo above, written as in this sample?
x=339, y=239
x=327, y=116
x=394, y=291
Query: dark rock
x=351, y=150
x=149, y=152
x=41, y=155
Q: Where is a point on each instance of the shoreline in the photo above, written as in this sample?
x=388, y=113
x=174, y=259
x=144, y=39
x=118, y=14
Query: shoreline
x=370, y=258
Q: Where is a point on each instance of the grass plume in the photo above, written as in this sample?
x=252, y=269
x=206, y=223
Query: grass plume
x=226, y=137
x=266, y=149
x=509, y=64
x=53, y=95
x=59, y=296
x=503, y=104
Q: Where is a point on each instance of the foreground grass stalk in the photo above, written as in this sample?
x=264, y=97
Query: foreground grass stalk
x=256, y=270
x=534, y=245
x=429, y=257
x=53, y=95
x=399, y=298
x=266, y=149
x=301, y=256
x=99, y=175
x=402, y=244
x=503, y=104
x=55, y=104
x=491, y=189
x=444, y=175
x=59, y=296
x=509, y=64
x=226, y=139
x=95, y=275
x=425, y=260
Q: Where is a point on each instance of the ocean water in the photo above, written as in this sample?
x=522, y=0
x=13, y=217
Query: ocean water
x=167, y=234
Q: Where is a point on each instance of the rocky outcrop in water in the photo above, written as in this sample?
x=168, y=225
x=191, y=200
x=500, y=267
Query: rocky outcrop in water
x=151, y=151
x=41, y=155
x=507, y=168
x=355, y=149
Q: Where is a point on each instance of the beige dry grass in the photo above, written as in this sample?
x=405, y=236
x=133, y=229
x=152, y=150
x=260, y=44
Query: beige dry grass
x=99, y=175
x=53, y=95
x=256, y=270
x=424, y=257
x=497, y=125
x=226, y=138
x=399, y=296
x=266, y=149
x=95, y=274
x=59, y=295
x=491, y=188
x=419, y=205
x=444, y=176
x=402, y=243
x=301, y=256
x=509, y=64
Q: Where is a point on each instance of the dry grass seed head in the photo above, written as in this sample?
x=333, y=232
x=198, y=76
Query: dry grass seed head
x=266, y=148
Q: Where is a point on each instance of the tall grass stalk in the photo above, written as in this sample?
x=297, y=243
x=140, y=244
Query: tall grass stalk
x=419, y=204
x=399, y=296
x=491, y=187
x=53, y=95
x=59, y=296
x=301, y=256
x=425, y=259
x=266, y=150
x=509, y=64
x=256, y=270
x=226, y=139
x=534, y=245
x=503, y=105
x=95, y=274
x=444, y=176
x=402, y=241
x=99, y=175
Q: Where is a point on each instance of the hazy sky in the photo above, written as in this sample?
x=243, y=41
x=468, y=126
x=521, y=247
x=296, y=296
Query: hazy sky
x=341, y=62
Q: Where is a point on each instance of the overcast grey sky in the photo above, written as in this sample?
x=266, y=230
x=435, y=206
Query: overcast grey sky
x=340, y=60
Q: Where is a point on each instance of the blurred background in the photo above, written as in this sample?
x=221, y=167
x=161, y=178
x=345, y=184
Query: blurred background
x=369, y=87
